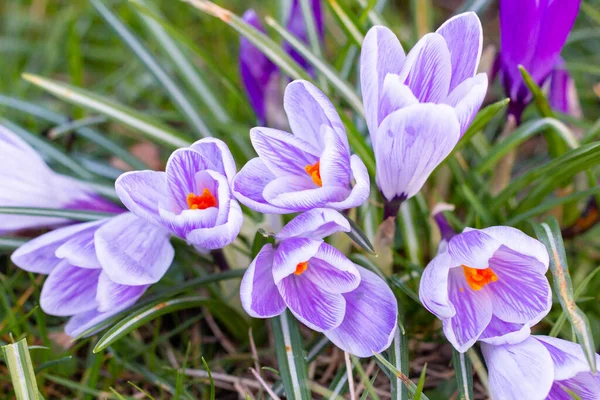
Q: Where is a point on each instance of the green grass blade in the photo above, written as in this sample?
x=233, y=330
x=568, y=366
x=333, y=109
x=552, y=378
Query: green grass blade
x=152, y=129
x=349, y=25
x=171, y=88
x=412, y=388
x=398, y=353
x=549, y=234
x=142, y=316
x=20, y=368
x=75, y=215
x=290, y=357
x=421, y=383
x=345, y=89
x=10, y=244
x=464, y=375
x=364, y=378
x=359, y=237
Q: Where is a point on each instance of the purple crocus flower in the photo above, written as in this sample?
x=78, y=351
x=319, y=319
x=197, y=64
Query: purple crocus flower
x=540, y=367
x=487, y=285
x=417, y=106
x=26, y=181
x=192, y=198
x=96, y=269
x=311, y=168
x=562, y=93
x=352, y=306
x=260, y=75
x=532, y=34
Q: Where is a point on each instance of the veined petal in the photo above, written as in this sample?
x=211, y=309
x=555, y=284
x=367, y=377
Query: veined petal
x=521, y=243
x=433, y=289
x=81, y=322
x=258, y=292
x=220, y=235
x=466, y=99
x=317, y=223
x=299, y=193
x=249, y=184
x=111, y=295
x=473, y=248
x=499, y=332
x=332, y=271
x=585, y=385
x=142, y=192
x=307, y=109
x=316, y=308
x=292, y=252
x=473, y=312
x=381, y=54
x=335, y=160
x=519, y=371
x=568, y=357
x=370, y=320
x=69, y=290
x=410, y=144
x=181, y=170
x=395, y=96
x=464, y=37
x=361, y=189
x=133, y=252
x=218, y=155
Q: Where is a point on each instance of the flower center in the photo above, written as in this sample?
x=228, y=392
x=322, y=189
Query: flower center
x=201, y=202
x=301, y=267
x=478, y=278
x=314, y=173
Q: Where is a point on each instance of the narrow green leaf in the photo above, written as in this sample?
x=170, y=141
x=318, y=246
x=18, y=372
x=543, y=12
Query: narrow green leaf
x=364, y=378
x=7, y=243
x=170, y=87
x=345, y=89
x=359, y=237
x=20, y=368
x=354, y=32
x=421, y=383
x=398, y=354
x=150, y=128
x=539, y=98
x=290, y=357
x=210, y=379
x=412, y=388
x=549, y=234
x=408, y=227
x=136, y=319
x=51, y=363
x=56, y=213
x=463, y=374
x=61, y=130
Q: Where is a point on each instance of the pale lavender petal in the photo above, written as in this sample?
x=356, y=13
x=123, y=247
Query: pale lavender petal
x=521, y=294
x=132, y=251
x=142, y=192
x=395, y=96
x=80, y=249
x=335, y=160
x=521, y=243
x=332, y=271
x=518, y=371
x=216, y=152
x=316, y=308
x=69, y=290
x=467, y=98
x=499, y=332
x=362, y=186
x=568, y=357
x=299, y=193
x=428, y=69
x=464, y=37
x=220, y=235
x=317, y=223
x=307, y=109
x=585, y=385
x=181, y=170
x=79, y=323
x=433, y=288
x=282, y=152
x=473, y=312
x=410, y=144
x=39, y=255
x=258, y=292
x=473, y=248
x=381, y=54
x=291, y=252
x=249, y=184
x=74, y=194
x=370, y=320
x=112, y=295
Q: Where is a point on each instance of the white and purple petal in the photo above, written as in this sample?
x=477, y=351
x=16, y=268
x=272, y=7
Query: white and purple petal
x=433, y=288
x=69, y=290
x=249, y=184
x=219, y=236
x=216, y=152
x=317, y=223
x=466, y=99
x=142, y=192
x=291, y=252
x=331, y=270
x=111, y=295
x=361, y=189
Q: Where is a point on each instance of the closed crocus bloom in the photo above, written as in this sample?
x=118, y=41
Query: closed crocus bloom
x=328, y=293
x=26, y=181
x=562, y=93
x=532, y=34
x=96, y=269
x=192, y=198
x=417, y=106
x=540, y=367
x=487, y=285
x=309, y=169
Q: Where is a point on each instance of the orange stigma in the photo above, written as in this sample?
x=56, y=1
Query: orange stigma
x=314, y=173
x=201, y=202
x=301, y=267
x=478, y=278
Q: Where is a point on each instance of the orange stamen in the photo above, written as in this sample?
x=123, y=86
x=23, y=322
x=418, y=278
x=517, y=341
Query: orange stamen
x=201, y=202
x=301, y=267
x=314, y=172
x=478, y=278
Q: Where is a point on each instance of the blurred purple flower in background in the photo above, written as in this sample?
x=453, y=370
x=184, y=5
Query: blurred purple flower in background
x=487, y=285
x=328, y=293
x=532, y=34
x=192, y=199
x=26, y=181
x=417, y=106
x=309, y=169
x=540, y=367
x=260, y=75
x=562, y=93
x=96, y=269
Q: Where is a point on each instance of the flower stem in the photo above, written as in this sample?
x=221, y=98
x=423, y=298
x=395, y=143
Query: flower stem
x=220, y=260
